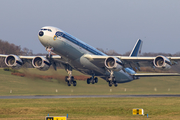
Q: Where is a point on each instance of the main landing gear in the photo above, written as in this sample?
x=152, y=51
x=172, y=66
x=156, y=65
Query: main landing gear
x=92, y=80
x=111, y=80
x=70, y=79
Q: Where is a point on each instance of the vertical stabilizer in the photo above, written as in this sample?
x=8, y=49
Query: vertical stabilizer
x=137, y=49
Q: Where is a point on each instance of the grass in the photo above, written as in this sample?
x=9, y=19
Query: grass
x=90, y=108
x=35, y=86
x=86, y=108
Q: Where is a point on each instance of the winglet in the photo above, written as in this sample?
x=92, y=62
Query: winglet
x=137, y=48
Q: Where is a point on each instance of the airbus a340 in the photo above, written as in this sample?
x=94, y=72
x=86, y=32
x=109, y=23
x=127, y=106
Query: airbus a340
x=72, y=53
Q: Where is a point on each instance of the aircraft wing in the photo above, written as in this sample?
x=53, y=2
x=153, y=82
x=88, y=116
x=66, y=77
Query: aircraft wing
x=155, y=74
x=129, y=61
x=138, y=59
x=31, y=57
x=55, y=59
x=144, y=61
x=2, y=55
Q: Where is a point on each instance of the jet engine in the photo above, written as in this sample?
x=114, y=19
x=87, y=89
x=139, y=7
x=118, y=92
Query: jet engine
x=113, y=63
x=13, y=61
x=162, y=62
x=41, y=63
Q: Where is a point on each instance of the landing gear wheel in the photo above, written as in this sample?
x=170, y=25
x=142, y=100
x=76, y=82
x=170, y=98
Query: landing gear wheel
x=72, y=78
x=111, y=81
x=74, y=83
x=88, y=81
x=110, y=84
x=115, y=84
x=96, y=80
x=66, y=77
x=68, y=83
x=93, y=81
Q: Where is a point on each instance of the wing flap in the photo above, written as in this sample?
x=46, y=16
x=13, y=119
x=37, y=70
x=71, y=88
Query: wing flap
x=155, y=74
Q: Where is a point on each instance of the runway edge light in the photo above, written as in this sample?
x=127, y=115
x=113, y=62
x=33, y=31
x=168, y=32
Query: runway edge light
x=56, y=118
x=138, y=111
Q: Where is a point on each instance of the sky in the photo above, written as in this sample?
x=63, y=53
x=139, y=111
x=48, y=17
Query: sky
x=107, y=24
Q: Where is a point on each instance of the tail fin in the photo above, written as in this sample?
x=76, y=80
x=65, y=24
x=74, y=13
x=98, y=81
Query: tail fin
x=137, y=49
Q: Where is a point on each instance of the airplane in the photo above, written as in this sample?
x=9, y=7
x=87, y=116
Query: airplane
x=71, y=53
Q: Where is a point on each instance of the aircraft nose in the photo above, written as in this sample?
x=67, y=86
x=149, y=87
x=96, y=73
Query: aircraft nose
x=41, y=33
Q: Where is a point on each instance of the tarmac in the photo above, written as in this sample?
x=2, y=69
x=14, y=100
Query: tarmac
x=83, y=96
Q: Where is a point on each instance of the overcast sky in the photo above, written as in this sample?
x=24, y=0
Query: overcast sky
x=107, y=24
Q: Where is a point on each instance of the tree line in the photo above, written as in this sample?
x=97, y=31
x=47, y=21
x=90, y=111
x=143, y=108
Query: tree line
x=10, y=48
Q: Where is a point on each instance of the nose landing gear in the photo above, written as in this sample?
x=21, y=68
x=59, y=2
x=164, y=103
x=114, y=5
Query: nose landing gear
x=49, y=57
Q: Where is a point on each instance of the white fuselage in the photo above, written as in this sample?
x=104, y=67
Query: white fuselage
x=72, y=51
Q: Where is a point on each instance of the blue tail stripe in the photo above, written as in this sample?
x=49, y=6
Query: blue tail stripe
x=136, y=49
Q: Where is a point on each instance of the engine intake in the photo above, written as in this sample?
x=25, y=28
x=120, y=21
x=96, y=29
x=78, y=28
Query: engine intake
x=162, y=62
x=13, y=61
x=113, y=63
x=41, y=63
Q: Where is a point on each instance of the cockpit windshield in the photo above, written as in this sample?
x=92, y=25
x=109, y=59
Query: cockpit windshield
x=47, y=30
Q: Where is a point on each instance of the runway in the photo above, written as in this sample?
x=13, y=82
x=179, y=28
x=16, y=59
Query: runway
x=83, y=96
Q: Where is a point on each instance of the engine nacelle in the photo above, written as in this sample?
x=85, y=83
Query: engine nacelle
x=113, y=63
x=41, y=63
x=162, y=62
x=13, y=61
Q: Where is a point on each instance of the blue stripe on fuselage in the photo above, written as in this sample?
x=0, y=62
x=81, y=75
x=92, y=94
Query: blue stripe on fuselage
x=77, y=42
